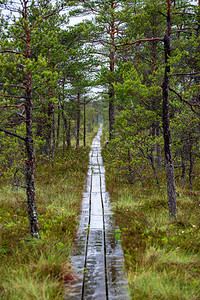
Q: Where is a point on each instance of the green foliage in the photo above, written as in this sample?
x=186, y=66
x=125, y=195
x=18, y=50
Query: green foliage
x=130, y=152
x=161, y=256
x=40, y=268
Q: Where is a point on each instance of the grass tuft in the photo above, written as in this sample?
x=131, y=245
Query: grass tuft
x=39, y=269
x=161, y=256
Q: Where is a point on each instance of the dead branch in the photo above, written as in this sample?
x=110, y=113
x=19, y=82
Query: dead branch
x=12, y=105
x=14, y=85
x=185, y=74
x=140, y=41
x=11, y=96
x=13, y=134
x=185, y=101
x=12, y=51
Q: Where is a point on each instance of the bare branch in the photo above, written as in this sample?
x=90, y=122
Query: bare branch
x=45, y=17
x=185, y=101
x=184, y=13
x=11, y=96
x=13, y=134
x=140, y=41
x=181, y=30
x=14, y=85
x=12, y=51
x=162, y=14
x=185, y=74
x=12, y=105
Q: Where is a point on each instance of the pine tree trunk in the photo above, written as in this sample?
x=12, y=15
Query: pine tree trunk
x=30, y=171
x=78, y=121
x=84, y=123
x=191, y=174
x=54, y=137
x=64, y=129
x=30, y=163
x=158, y=148
x=111, y=100
x=183, y=167
x=49, y=130
x=171, y=191
x=69, y=133
x=58, y=128
x=151, y=158
x=111, y=89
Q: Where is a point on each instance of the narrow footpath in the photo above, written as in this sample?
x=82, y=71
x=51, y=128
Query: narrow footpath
x=98, y=257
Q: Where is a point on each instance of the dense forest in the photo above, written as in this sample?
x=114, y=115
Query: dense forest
x=66, y=67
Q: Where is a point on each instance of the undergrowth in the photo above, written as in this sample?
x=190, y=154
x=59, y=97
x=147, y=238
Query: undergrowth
x=161, y=256
x=39, y=269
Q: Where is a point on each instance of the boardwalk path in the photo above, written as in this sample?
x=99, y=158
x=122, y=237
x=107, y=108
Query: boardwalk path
x=98, y=258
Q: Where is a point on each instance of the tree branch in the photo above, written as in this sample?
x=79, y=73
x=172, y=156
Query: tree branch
x=11, y=96
x=140, y=41
x=45, y=17
x=12, y=105
x=162, y=14
x=14, y=85
x=13, y=134
x=184, y=74
x=12, y=51
x=185, y=101
x=184, y=13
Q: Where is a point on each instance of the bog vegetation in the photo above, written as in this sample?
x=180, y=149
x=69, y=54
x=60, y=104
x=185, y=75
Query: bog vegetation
x=136, y=66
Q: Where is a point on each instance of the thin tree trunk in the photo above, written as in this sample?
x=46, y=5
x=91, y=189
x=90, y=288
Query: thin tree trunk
x=158, y=148
x=198, y=28
x=111, y=101
x=191, y=174
x=84, y=123
x=151, y=158
x=153, y=150
x=64, y=129
x=69, y=133
x=171, y=190
x=49, y=130
x=54, y=136
x=30, y=163
x=111, y=89
x=58, y=128
x=30, y=171
x=78, y=121
x=154, y=46
x=183, y=168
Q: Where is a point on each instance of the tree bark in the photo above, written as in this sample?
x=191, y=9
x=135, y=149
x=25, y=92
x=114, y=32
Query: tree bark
x=54, y=137
x=191, y=174
x=111, y=100
x=111, y=89
x=30, y=167
x=84, y=123
x=151, y=158
x=78, y=121
x=183, y=167
x=69, y=133
x=58, y=128
x=49, y=130
x=64, y=129
x=30, y=163
x=171, y=190
x=158, y=147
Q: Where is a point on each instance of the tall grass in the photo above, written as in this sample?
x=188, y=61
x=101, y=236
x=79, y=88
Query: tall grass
x=161, y=256
x=39, y=269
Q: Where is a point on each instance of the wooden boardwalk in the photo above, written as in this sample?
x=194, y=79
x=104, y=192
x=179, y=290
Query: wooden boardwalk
x=98, y=257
